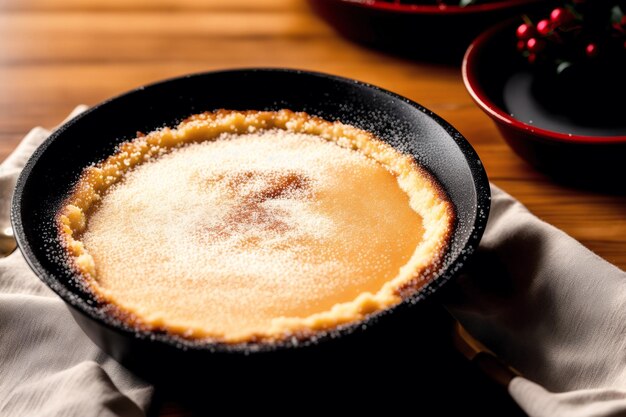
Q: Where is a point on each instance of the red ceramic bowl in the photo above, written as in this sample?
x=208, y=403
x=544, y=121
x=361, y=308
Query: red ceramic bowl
x=426, y=31
x=569, y=147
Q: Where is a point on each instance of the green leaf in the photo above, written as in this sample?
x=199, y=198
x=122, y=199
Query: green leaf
x=616, y=14
x=562, y=67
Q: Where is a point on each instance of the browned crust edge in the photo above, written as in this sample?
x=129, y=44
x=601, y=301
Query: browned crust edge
x=420, y=279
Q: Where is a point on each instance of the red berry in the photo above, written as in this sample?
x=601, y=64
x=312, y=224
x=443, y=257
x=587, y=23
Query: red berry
x=561, y=16
x=525, y=31
x=535, y=45
x=532, y=58
x=521, y=45
x=623, y=21
x=591, y=50
x=544, y=27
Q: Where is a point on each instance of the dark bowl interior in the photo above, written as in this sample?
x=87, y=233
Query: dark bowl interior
x=563, y=125
x=88, y=138
x=421, y=30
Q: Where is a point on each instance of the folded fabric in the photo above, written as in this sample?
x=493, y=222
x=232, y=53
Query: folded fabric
x=48, y=366
x=550, y=308
x=537, y=298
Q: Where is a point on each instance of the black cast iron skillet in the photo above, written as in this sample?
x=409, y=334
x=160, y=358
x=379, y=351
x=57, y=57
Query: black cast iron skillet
x=88, y=138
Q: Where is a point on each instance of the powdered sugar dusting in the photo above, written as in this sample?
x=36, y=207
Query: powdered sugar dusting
x=229, y=234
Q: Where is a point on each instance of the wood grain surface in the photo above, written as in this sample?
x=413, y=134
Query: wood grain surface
x=55, y=54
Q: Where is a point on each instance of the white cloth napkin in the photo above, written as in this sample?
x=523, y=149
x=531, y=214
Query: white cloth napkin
x=541, y=301
x=48, y=366
x=550, y=308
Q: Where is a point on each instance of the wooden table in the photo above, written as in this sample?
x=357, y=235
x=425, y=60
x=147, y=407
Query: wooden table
x=55, y=54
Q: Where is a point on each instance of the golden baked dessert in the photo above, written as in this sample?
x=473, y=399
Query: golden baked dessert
x=254, y=226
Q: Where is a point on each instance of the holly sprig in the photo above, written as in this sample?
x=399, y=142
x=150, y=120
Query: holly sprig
x=579, y=31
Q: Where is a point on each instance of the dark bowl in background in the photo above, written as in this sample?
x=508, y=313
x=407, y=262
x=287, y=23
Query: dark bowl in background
x=422, y=31
x=577, y=138
x=406, y=333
